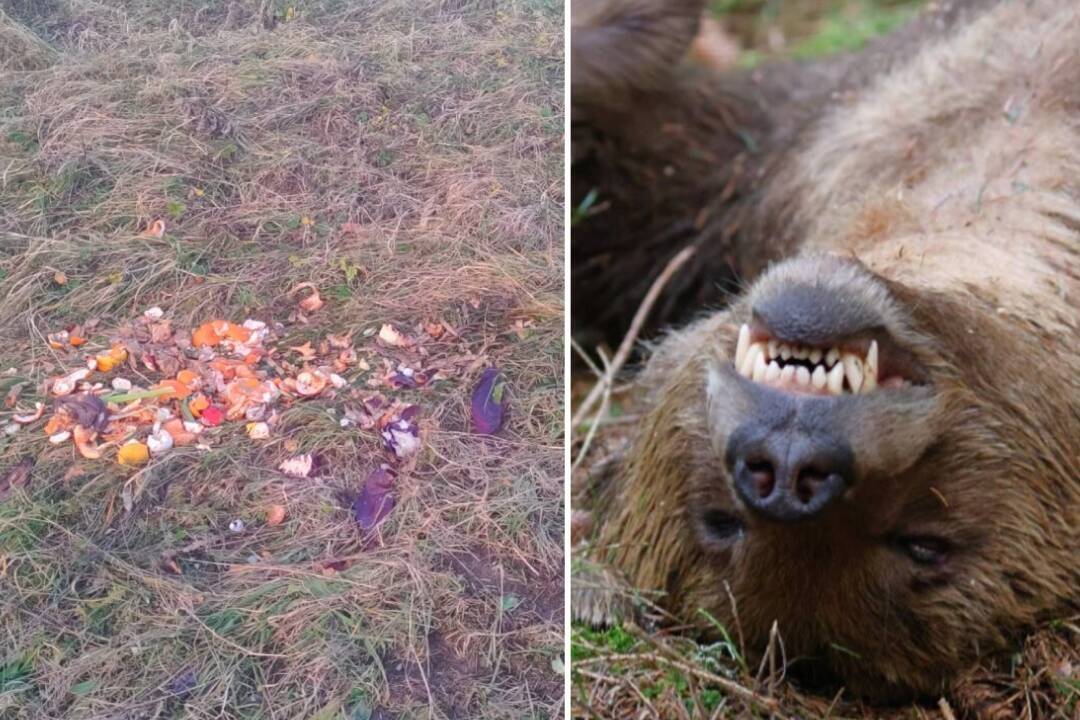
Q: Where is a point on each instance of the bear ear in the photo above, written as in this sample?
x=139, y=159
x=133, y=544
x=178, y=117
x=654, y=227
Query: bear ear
x=621, y=47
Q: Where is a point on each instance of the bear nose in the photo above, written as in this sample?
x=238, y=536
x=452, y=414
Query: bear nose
x=788, y=474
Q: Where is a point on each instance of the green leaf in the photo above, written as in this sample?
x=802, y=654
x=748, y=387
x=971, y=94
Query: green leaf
x=508, y=602
x=85, y=687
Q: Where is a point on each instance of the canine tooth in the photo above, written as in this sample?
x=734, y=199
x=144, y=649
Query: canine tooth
x=818, y=377
x=747, y=367
x=815, y=356
x=832, y=356
x=743, y=345
x=787, y=374
x=802, y=375
x=785, y=352
x=836, y=379
x=759, y=367
x=854, y=371
x=772, y=349
x=772, y=373
x=871, y=367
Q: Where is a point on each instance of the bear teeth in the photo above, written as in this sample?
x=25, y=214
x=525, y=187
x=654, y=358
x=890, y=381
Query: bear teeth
x=790, y=366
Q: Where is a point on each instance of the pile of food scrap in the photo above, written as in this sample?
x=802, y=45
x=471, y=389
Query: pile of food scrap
x=154, y=389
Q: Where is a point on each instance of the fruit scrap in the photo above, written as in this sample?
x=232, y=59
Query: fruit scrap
x=198, y=404
x=211, y=333
x=176, y=389
x=182, y=433
x=159, y=442
x=376, y=499
x=489, y=402
x=133, y=453
x=244, y=393
x=307, y=384
x=155, y=230
x=27, y=418
x=66, y=385
x=107, y=361
x=400, y=432
x=212, y=416
x=84, y=441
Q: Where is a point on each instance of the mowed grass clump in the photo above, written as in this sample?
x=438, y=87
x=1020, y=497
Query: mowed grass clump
x=406, y=159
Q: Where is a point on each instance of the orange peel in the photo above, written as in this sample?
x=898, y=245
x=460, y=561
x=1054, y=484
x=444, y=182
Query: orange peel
x=133, y=453
x=109, y=360
x=197, y=404
x=205, y=335
x=84, y=441
x=177, y=389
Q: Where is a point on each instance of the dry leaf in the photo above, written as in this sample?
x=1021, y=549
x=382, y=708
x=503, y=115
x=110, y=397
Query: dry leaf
x=310, y=303
x=18, y=475
x=389, y=335
x=305, y=351
x=12, y=396
x=299, y=466
x=275, y=514
x=258, y=430
x=340, y=342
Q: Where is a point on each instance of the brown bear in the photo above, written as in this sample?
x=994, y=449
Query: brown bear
x=875, y=445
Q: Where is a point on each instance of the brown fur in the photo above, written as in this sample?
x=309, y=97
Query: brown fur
x=945, y=194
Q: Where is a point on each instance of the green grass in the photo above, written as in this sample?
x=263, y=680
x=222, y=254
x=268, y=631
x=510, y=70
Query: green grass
x=769, y=29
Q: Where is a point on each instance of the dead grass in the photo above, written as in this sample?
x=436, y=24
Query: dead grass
x=433, y=132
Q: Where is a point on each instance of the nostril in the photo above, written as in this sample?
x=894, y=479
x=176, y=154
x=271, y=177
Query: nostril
x=787, y=473
x=762, y=477
x=807, y=484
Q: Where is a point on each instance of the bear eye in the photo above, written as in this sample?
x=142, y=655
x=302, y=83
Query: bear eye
x=719, y=528
x=925, y=549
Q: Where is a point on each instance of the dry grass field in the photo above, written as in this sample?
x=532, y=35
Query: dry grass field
x=405, y=159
